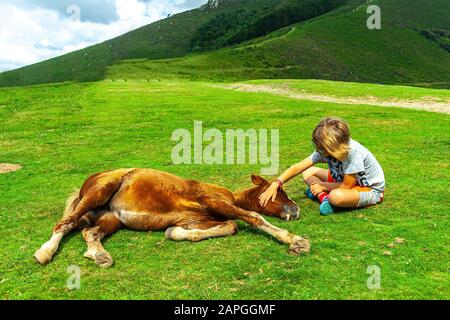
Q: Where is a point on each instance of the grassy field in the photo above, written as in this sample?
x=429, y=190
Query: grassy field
x=63, y=133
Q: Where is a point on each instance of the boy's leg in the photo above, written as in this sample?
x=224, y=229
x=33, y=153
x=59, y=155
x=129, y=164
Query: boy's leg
x=358, y=197
x=312, y=175
x=344, y=198
x=315, y=174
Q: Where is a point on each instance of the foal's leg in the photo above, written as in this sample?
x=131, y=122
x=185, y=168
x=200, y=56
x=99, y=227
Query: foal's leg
x=202, y=230
x=296, y=243
x=106, y=225
x=95, y=197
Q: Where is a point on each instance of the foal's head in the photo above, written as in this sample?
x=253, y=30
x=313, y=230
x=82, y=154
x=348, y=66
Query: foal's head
x=283, y=207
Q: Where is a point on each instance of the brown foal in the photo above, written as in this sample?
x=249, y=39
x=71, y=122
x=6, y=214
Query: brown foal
x=151, y=200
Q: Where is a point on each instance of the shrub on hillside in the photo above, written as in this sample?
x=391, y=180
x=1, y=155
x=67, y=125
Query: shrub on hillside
x=236, y=27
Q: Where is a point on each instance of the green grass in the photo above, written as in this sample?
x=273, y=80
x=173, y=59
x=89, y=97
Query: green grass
x=63, y=133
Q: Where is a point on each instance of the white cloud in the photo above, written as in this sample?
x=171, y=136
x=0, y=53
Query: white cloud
x=30, y=35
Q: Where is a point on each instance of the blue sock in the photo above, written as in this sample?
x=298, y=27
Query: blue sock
x=325, y=208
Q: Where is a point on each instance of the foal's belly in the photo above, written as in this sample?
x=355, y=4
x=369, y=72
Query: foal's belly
x=144, y=221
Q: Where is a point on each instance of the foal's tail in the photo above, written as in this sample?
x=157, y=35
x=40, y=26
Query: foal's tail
x=72, y=203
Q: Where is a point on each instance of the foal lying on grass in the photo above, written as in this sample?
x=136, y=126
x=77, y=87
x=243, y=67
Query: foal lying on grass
x=151, y=200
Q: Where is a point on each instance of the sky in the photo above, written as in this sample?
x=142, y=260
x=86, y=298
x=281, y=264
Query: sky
x=37, y=30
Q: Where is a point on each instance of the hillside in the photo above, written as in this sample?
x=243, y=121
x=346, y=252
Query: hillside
x=166, y=38
x=336, y=46
x=245, y=24
x=320, y=41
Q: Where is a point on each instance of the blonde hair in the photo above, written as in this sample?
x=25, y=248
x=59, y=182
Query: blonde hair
x=332, y=137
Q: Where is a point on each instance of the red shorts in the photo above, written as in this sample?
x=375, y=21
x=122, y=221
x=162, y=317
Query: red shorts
x=357, y=188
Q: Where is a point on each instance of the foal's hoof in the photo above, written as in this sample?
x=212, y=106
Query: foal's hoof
x=300, y=245
x=175, y=234
x=103, y=259
x=43, y=256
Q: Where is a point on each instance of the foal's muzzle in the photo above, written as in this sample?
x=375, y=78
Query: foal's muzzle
x=290, y=212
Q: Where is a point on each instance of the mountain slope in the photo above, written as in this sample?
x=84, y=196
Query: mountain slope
x=245, y=24
x=411, y=48
x=336, y=46
x=166, y=38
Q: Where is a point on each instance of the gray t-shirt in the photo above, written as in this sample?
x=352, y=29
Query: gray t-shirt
x=360, y=162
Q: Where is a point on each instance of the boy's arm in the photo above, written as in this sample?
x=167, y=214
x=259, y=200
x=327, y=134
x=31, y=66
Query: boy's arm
x=295, y=170
x=292, y=172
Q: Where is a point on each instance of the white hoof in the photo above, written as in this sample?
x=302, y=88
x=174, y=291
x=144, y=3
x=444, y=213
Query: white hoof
x=175, y=233
x=43, y=256
x=48, y=249
x=103, y=259
x=300, y=245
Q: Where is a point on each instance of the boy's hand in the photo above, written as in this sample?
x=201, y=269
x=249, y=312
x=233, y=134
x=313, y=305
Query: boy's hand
x=269, y=195
x=317, y=188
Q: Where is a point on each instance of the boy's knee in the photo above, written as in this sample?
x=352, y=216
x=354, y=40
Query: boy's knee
x=307, y=174
x=337, y=197
x=305, y=178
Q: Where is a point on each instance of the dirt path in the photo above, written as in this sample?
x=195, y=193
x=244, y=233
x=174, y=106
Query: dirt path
x=427, y=104
x=7, y=167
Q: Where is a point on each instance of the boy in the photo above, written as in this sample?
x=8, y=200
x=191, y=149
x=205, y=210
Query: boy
x=354, y=178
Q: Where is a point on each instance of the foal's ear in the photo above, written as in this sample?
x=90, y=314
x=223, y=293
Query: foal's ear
x=259, y=181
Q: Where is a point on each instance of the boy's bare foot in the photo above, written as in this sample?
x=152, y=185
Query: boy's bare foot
x=309, y=194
